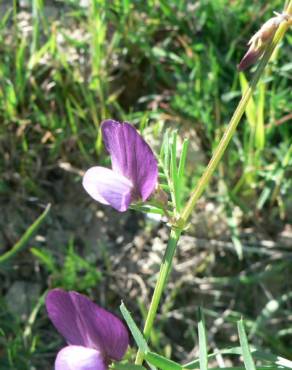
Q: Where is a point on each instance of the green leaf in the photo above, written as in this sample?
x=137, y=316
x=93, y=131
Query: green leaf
x=275, y=361
x=183, y=157
x=161, y=362
x=45, y=257
x=241, y=368
x=118, y=366
x=247, y=358
x=23, y=241
x=203, y=351
x=260, y=125
x=137, y=335
x=181, y=172
x=165, y=155
x=173, y=164
x=250, y=109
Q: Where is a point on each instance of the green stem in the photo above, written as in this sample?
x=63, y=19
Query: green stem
x=162, y=278
x=220, y=150
x=203, y=182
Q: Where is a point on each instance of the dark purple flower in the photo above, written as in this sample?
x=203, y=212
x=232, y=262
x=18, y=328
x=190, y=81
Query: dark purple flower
x=134, y=168
x=95, y=337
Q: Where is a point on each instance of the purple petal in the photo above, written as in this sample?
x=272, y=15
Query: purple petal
x=104, y=329
x=64, y=316
x=108, y=187
x=84, y=323
x=79, y=358
x=131, y=156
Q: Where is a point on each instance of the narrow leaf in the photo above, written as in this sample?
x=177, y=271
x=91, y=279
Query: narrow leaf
x=161, y=362
x=118, y=366
x=174, y=171
x=246, y=354
x=250, y=109
x=23, y=241
x=260, y=126
x=203, y=351
x=273, y=359
x=183, y=157
x=137, y=335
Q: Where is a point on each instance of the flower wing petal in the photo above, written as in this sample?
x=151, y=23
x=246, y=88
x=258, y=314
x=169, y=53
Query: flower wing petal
x=105, y=330
x=64, y=316
x=108, y=187
x=79, y=358
x=131, y=156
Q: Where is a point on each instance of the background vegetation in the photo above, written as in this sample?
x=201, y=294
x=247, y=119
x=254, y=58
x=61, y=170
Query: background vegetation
x=67, y=65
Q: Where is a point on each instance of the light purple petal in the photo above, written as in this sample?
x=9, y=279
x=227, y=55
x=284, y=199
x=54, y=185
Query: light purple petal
x=84, y=323
x=131, y=156
x=79, y=358
x=108, y=187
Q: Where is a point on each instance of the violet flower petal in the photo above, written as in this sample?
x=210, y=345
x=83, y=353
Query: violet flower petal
x=81, y=322
x=79, y=358
x=131, y=156
x=108, y=187
x=65, y=317
x=103, y=328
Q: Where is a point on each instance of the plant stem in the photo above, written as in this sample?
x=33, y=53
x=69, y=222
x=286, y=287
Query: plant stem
x=162, y=278
x=203, y=182
x=220, y=150
x=289, y=8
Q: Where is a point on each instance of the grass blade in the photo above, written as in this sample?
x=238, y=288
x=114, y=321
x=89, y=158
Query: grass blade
x=260, y=125
x=137, y=335
x=246, y=354
x=161, y=362
x=118, y=366
x=21, y=244
x=203, y=351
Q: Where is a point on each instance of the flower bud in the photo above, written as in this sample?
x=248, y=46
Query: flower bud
x=250, y=57
x=259, y=40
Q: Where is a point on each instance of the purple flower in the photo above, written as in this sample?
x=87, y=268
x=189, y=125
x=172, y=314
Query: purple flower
x=134, y=168
x=95, y=337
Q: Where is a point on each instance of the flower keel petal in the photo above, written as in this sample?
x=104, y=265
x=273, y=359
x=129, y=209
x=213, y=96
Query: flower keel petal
x=79, y=358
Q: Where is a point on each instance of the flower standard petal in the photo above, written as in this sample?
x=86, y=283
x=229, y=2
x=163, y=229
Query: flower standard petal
x=79, y=358
x=84, y=323
x=64, y=316
x=105, y=330
x=131, y=156
x=108, y=187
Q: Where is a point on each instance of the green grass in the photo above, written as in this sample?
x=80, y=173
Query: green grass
x=158, y=64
